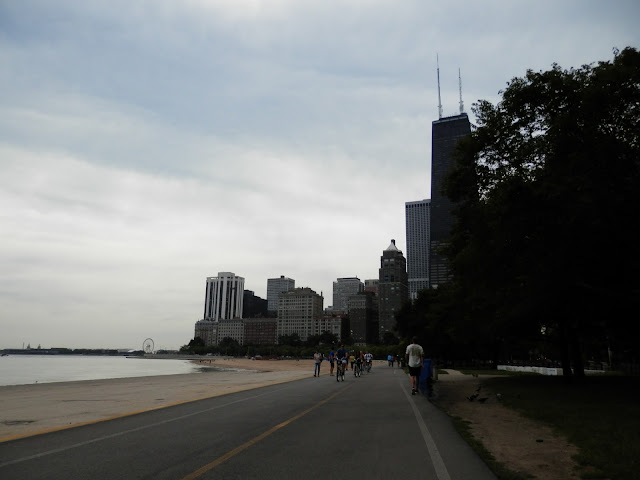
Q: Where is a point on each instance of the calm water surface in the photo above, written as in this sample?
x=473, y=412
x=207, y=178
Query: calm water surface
x=26, y=369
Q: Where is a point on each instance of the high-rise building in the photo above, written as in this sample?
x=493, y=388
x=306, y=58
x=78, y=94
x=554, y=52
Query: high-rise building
x=363, y=318
x=253, y=306
x=224, y=297
x=393, y=288
x=297, y=310
x=445, y=134
x=275, y=286
x=343, y=288
x=417, y=218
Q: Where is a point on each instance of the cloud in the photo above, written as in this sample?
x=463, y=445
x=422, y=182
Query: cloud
x=145, y=146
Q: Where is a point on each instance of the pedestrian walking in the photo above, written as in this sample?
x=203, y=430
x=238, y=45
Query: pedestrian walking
x=415, y=359
x=332, y=360
x=317, y=357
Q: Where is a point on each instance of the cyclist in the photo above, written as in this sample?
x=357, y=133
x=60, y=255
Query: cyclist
x=341, y=355
x=352, y=358
x=359, y=360
x=364, y=360
x=368, y=360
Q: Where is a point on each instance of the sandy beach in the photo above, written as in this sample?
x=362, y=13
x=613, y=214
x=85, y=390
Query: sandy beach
x=38, y=408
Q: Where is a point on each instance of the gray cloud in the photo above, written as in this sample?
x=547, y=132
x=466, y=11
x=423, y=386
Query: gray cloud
x=147, y=145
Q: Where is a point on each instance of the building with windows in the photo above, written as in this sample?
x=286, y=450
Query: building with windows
x=260, y=331
x=207, y=330
x=445, y=134
x=363, y=318
x=417, y=221
x=231, y=328
x=393, y=288
x=328, y=323
x=371, y=285
x=343, y=288
x=275, y=286
x=335, y=322
x=224, y=297
x=297, y=310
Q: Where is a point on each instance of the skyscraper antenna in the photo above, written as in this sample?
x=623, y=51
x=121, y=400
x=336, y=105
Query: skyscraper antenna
x=460, y=86
x=439, y=99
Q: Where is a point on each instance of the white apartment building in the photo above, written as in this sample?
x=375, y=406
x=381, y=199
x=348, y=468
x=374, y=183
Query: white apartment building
x=224, y=297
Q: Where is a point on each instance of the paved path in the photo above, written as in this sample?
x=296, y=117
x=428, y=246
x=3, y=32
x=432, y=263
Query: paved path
x=369, y=427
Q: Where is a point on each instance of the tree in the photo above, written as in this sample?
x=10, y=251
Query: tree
x=229, y=346
x=195, y=345
x=312, y=340
x=292, y=340
x=546, y=187
x=389, y=338
x=328, y=338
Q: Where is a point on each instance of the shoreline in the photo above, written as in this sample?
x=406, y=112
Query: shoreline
x=33, y=409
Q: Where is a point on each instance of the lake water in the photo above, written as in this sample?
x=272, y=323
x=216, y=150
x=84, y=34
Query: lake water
x=27, y=369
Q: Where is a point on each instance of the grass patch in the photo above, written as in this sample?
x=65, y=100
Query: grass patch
x=499, y=469
x=600, y=415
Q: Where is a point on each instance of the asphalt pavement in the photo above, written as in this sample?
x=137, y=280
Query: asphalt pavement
x=369, y=427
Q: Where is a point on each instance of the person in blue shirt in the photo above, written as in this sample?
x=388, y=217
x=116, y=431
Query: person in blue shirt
x=342, y=355
x=332, y=359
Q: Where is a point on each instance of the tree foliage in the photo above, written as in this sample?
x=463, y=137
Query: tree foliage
x=547, y=189
x=292, y=340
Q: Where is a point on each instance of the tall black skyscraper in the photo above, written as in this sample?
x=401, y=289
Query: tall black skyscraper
x=445, y=134
x=393, y=288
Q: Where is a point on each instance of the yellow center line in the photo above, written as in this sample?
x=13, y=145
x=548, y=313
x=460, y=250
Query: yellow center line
x=255, y=440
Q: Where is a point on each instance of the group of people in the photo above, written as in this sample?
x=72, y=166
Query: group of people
x=392, y=359
x=414, y=357
x=344, y=356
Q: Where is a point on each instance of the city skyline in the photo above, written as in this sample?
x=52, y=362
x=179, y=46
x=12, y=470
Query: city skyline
x=145, y=149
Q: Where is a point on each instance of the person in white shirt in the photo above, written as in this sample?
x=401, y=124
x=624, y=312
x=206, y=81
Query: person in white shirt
x=415, y=359
x=317, y=357
x=368, y=359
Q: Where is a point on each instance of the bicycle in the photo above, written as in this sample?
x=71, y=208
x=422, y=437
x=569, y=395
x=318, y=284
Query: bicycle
x=357, y=368
x=368, y=366
x=340, y=370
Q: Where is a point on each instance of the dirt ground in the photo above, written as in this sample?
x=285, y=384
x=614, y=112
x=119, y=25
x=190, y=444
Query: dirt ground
x=517, y=442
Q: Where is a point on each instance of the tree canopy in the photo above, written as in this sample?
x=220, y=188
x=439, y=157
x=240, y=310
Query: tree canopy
x=547, y=190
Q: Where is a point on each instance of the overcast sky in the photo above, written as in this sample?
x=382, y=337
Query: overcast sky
x=147, y=145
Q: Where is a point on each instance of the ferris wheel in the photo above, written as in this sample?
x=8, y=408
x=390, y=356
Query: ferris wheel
x=147, y=346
